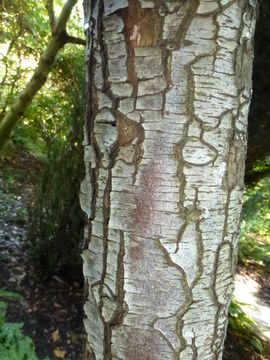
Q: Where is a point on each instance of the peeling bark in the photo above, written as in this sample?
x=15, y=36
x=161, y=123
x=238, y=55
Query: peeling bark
x=169, y=86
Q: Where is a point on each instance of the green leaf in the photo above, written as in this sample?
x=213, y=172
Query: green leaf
x=3, y=310
x=3, y=353
x=257, y=344
x=10, y=295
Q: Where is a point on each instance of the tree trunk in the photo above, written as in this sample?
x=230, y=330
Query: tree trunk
x=169, y=86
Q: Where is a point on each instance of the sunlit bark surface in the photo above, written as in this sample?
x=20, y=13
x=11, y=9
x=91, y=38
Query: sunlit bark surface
x=169, y=86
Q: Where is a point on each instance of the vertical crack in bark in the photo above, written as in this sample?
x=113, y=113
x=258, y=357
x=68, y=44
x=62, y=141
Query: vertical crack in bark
x=215, y=349
x=104, y=57
x=163, y=8
x=90, y=114
x=121, y=309
x=126, y=15
x=190, y=11
x=188, y=301
x=106, y=218
x=199, y=241
x=232, y=161
x=95, y=175
x=160, y=332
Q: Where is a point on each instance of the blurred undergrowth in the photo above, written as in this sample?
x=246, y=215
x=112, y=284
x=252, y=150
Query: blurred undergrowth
x=254, y=245
x=244, y=326
x=55, y=217
x=46, y=143
x=254, y=251
x=14, y=345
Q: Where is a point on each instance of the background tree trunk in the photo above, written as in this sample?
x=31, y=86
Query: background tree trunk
x=169, y=86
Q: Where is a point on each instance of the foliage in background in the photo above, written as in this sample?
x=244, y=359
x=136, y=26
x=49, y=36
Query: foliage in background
x=7, y=205
x=259, y=114
x=58, y=38
x=51, y=128
x=14, y=345
x=254, y=244
x=254, y=248
x=56, y=220
x=24, y=32
x=244, y=326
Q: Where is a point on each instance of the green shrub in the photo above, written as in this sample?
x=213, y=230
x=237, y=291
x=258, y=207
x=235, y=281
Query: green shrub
x=254, y=243
x=9, y=295
x=55, y=218
x=252, y=250
x=256, y=208
x=14, y=345
x=244, y=326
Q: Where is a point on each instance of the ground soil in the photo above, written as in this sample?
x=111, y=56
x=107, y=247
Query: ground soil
x=51, y=309
x=234, y=345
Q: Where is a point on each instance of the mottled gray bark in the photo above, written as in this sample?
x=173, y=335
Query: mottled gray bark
x=165, y=142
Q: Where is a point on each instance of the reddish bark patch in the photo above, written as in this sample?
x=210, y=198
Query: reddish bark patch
x=136, y=252
x=143, y=345
x=142, y=27
x=127, y=129
x=145, y=200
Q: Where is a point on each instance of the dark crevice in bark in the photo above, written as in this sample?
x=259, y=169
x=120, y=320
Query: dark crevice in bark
x=90, y=114
x=132, y=78
x=219, y=339
x=106, y=199
x=166, y=58
x=104, y=57
x=121, y=309
x=199, y=240
x=88, y=354
x=189, y=298
x=163, y=8
x=189, y=9
x=106, y=218
x=194, y=349
x=234, y=177
x=161, y=334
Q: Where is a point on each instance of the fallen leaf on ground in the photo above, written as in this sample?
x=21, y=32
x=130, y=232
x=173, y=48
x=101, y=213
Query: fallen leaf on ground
x=55, y=335
x=60, y=354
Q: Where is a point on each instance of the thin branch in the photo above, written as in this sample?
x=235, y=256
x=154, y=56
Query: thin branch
x=4, y=58
x=50, y=9
x=75, y=40
x=4, y=61
x=12, y=85
x=61, y=22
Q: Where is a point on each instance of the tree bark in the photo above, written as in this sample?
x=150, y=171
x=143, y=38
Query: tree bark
x=169, y=87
